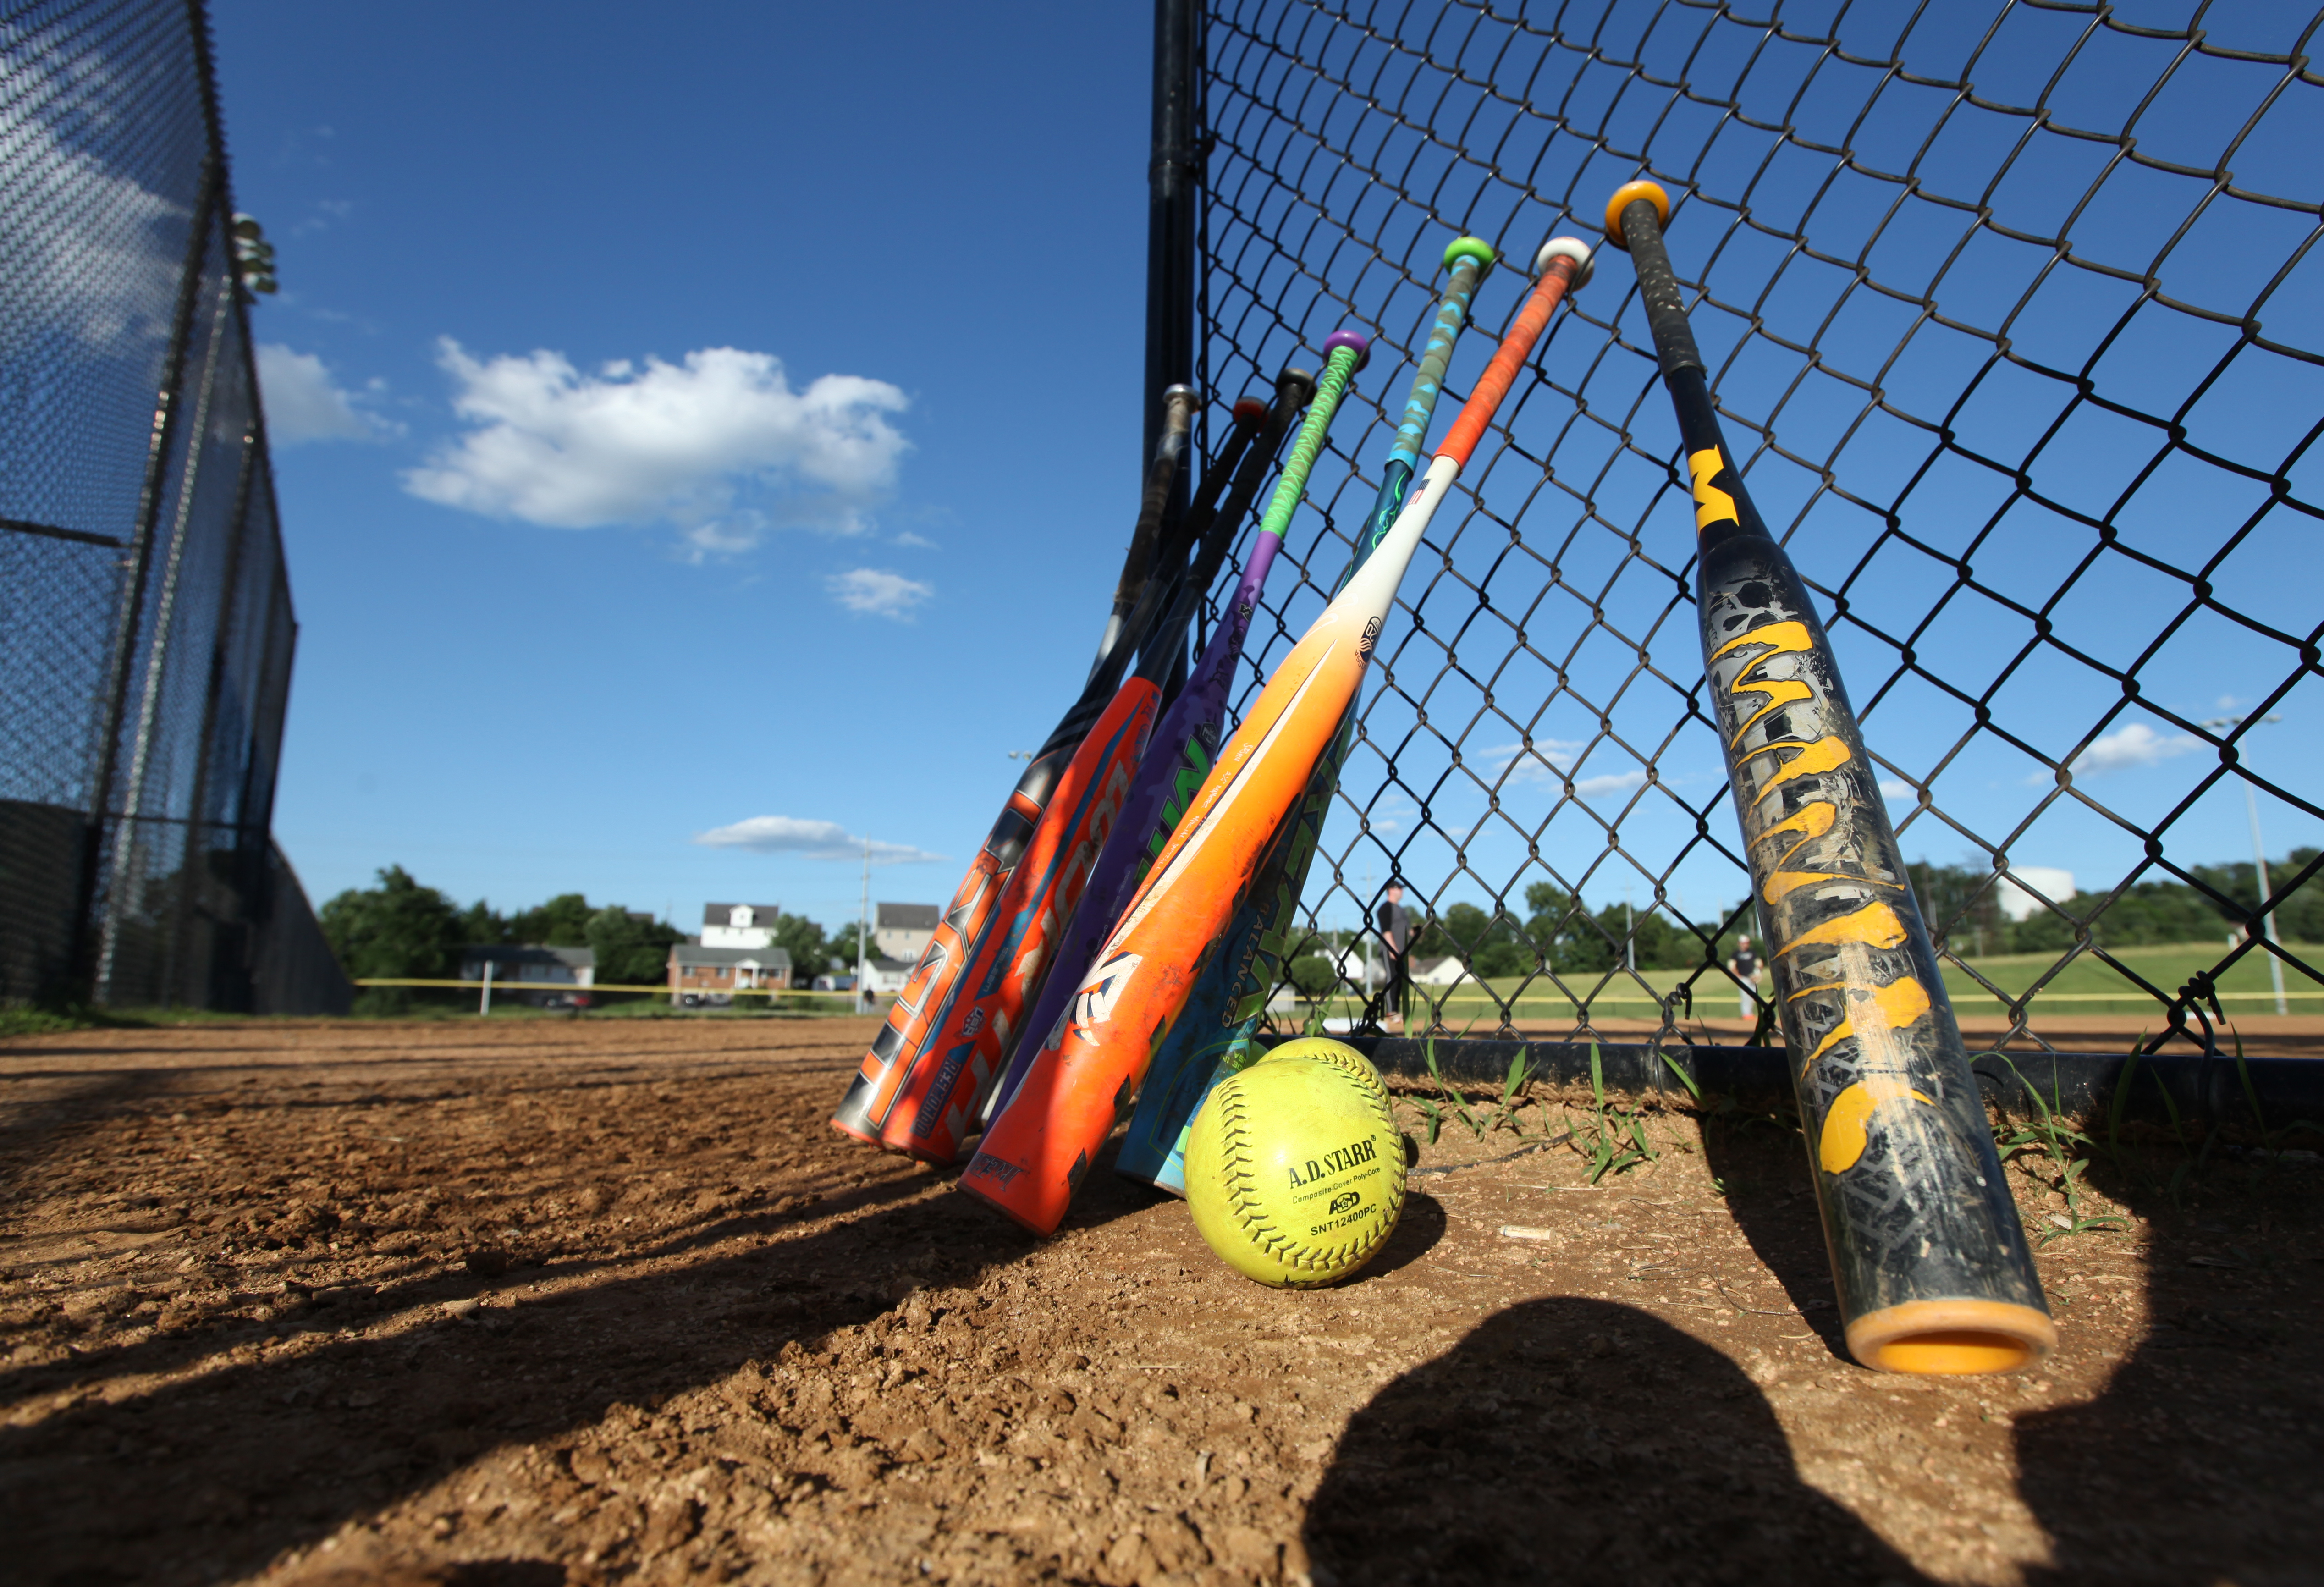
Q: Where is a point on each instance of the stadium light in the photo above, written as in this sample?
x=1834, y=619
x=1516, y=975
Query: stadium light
x=254, y=256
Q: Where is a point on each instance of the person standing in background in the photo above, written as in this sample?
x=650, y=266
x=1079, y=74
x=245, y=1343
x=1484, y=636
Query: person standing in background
x=1395, y=922
x=1745, y=967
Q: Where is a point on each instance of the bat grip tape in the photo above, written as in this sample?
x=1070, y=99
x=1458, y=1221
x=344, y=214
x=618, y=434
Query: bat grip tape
x=1658, y=289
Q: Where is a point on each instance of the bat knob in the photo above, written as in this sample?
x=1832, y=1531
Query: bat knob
x=1298, y=385
x=1250, y=410
x=1628, y=194
x=1573, y=248
x=1475, y=248
x=1190, y=395
x=1361, y=343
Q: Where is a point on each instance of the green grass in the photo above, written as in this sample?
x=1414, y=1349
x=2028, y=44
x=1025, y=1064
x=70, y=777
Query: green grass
x=2087, y=986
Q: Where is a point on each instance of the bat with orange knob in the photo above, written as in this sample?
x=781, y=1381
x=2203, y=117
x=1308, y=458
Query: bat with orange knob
x=1927, y=1249
x=1087, y=1072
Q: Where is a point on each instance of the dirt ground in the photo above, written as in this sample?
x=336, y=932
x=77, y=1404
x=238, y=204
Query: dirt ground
x=552, y=1301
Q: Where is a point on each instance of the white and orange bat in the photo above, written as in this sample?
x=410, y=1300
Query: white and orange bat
x=1087, y=1073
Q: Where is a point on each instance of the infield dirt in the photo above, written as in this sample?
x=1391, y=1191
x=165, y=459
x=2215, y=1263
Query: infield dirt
x=540, y=1301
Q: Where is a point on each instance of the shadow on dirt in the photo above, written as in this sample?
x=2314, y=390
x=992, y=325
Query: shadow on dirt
x=1765, y=1174
x=2187, y=1465
x=2199, y=1461
x=1418, y=1229
x=1572, y=1439
x=171, y=1486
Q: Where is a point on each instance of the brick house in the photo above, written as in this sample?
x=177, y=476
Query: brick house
x=699, y=974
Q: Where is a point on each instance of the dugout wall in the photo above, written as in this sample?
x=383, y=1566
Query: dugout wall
x=2014, y=313
x=147, y=634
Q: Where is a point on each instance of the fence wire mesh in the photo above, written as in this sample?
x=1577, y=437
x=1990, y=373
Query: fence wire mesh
x=2012, y=314
x=145, y=621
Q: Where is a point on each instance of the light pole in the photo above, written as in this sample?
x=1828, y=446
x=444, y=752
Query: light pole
x=2259, y=866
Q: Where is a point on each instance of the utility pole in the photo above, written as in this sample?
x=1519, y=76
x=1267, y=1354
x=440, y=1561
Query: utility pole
x=2259, y=868
x=862, y=923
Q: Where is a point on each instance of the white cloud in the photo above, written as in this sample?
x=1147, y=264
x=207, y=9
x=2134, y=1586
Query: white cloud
x=718, y=443
x=90, y=255
x=813, y=840
x=2137, y=744
x=878, y=592
x=908, y=539
x=1599, y=788
x=1895, y=789
x=1550, y=760
x=304, y=403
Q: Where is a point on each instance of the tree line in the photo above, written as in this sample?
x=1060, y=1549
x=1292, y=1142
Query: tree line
x=399, y=928
x=1559, y=933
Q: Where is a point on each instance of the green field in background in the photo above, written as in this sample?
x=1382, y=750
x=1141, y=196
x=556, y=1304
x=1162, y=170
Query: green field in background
x=2089, y=985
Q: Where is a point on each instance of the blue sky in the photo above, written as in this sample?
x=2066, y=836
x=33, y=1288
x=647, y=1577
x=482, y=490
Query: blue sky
x=680, y=420
x=729, y=425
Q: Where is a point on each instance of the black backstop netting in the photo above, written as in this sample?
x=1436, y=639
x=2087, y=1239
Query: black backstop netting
x=145, y=621
x=2012, y=312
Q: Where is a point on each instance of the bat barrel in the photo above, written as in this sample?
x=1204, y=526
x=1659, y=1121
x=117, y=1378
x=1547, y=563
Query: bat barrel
x=1928, y=1250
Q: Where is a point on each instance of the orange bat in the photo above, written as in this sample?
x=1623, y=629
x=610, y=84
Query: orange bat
x=1086, y=1074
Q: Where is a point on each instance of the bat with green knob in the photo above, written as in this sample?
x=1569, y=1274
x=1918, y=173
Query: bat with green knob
x=1212, y=1038
x=1086, y=1074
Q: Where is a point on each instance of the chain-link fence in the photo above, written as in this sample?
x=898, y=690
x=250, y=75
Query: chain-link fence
x=2013, y=313
x=146, y=635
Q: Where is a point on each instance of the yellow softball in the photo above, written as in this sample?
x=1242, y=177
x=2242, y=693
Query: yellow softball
x=1294, y=1167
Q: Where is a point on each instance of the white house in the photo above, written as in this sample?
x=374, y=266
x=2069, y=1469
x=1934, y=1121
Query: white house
x=536, y=975
x=739, y=926
x=884, y=977
x=1447, y=971
x=901, y=931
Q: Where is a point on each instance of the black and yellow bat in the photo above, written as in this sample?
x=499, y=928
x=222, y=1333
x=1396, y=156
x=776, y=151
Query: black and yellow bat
x=1928, y=1250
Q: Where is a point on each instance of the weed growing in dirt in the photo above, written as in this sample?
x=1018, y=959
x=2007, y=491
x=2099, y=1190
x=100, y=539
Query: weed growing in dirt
x=2070, y=1150
x=1432, y=1110
x=1613, y=1139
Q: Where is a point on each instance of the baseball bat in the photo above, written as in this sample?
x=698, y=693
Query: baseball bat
x=1004, y=972
x=960, y=934
x=1928, y=1253
x=1144, y=538
x=1185, y=740
x=871, y=1093
x=1211, y=1038
x=1086, y=1074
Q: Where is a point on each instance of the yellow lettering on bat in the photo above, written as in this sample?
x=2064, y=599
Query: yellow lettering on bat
x=1890, y=1008
x=1781, y=639
x=1780, y=692
x=1846, y=1123
x=1711, y=504
x=1826, y=754
x=1811, y=822
x=1875, y=926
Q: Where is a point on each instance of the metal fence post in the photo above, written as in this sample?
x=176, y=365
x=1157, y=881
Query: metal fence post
x=1174, y=201
x=119, y=668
